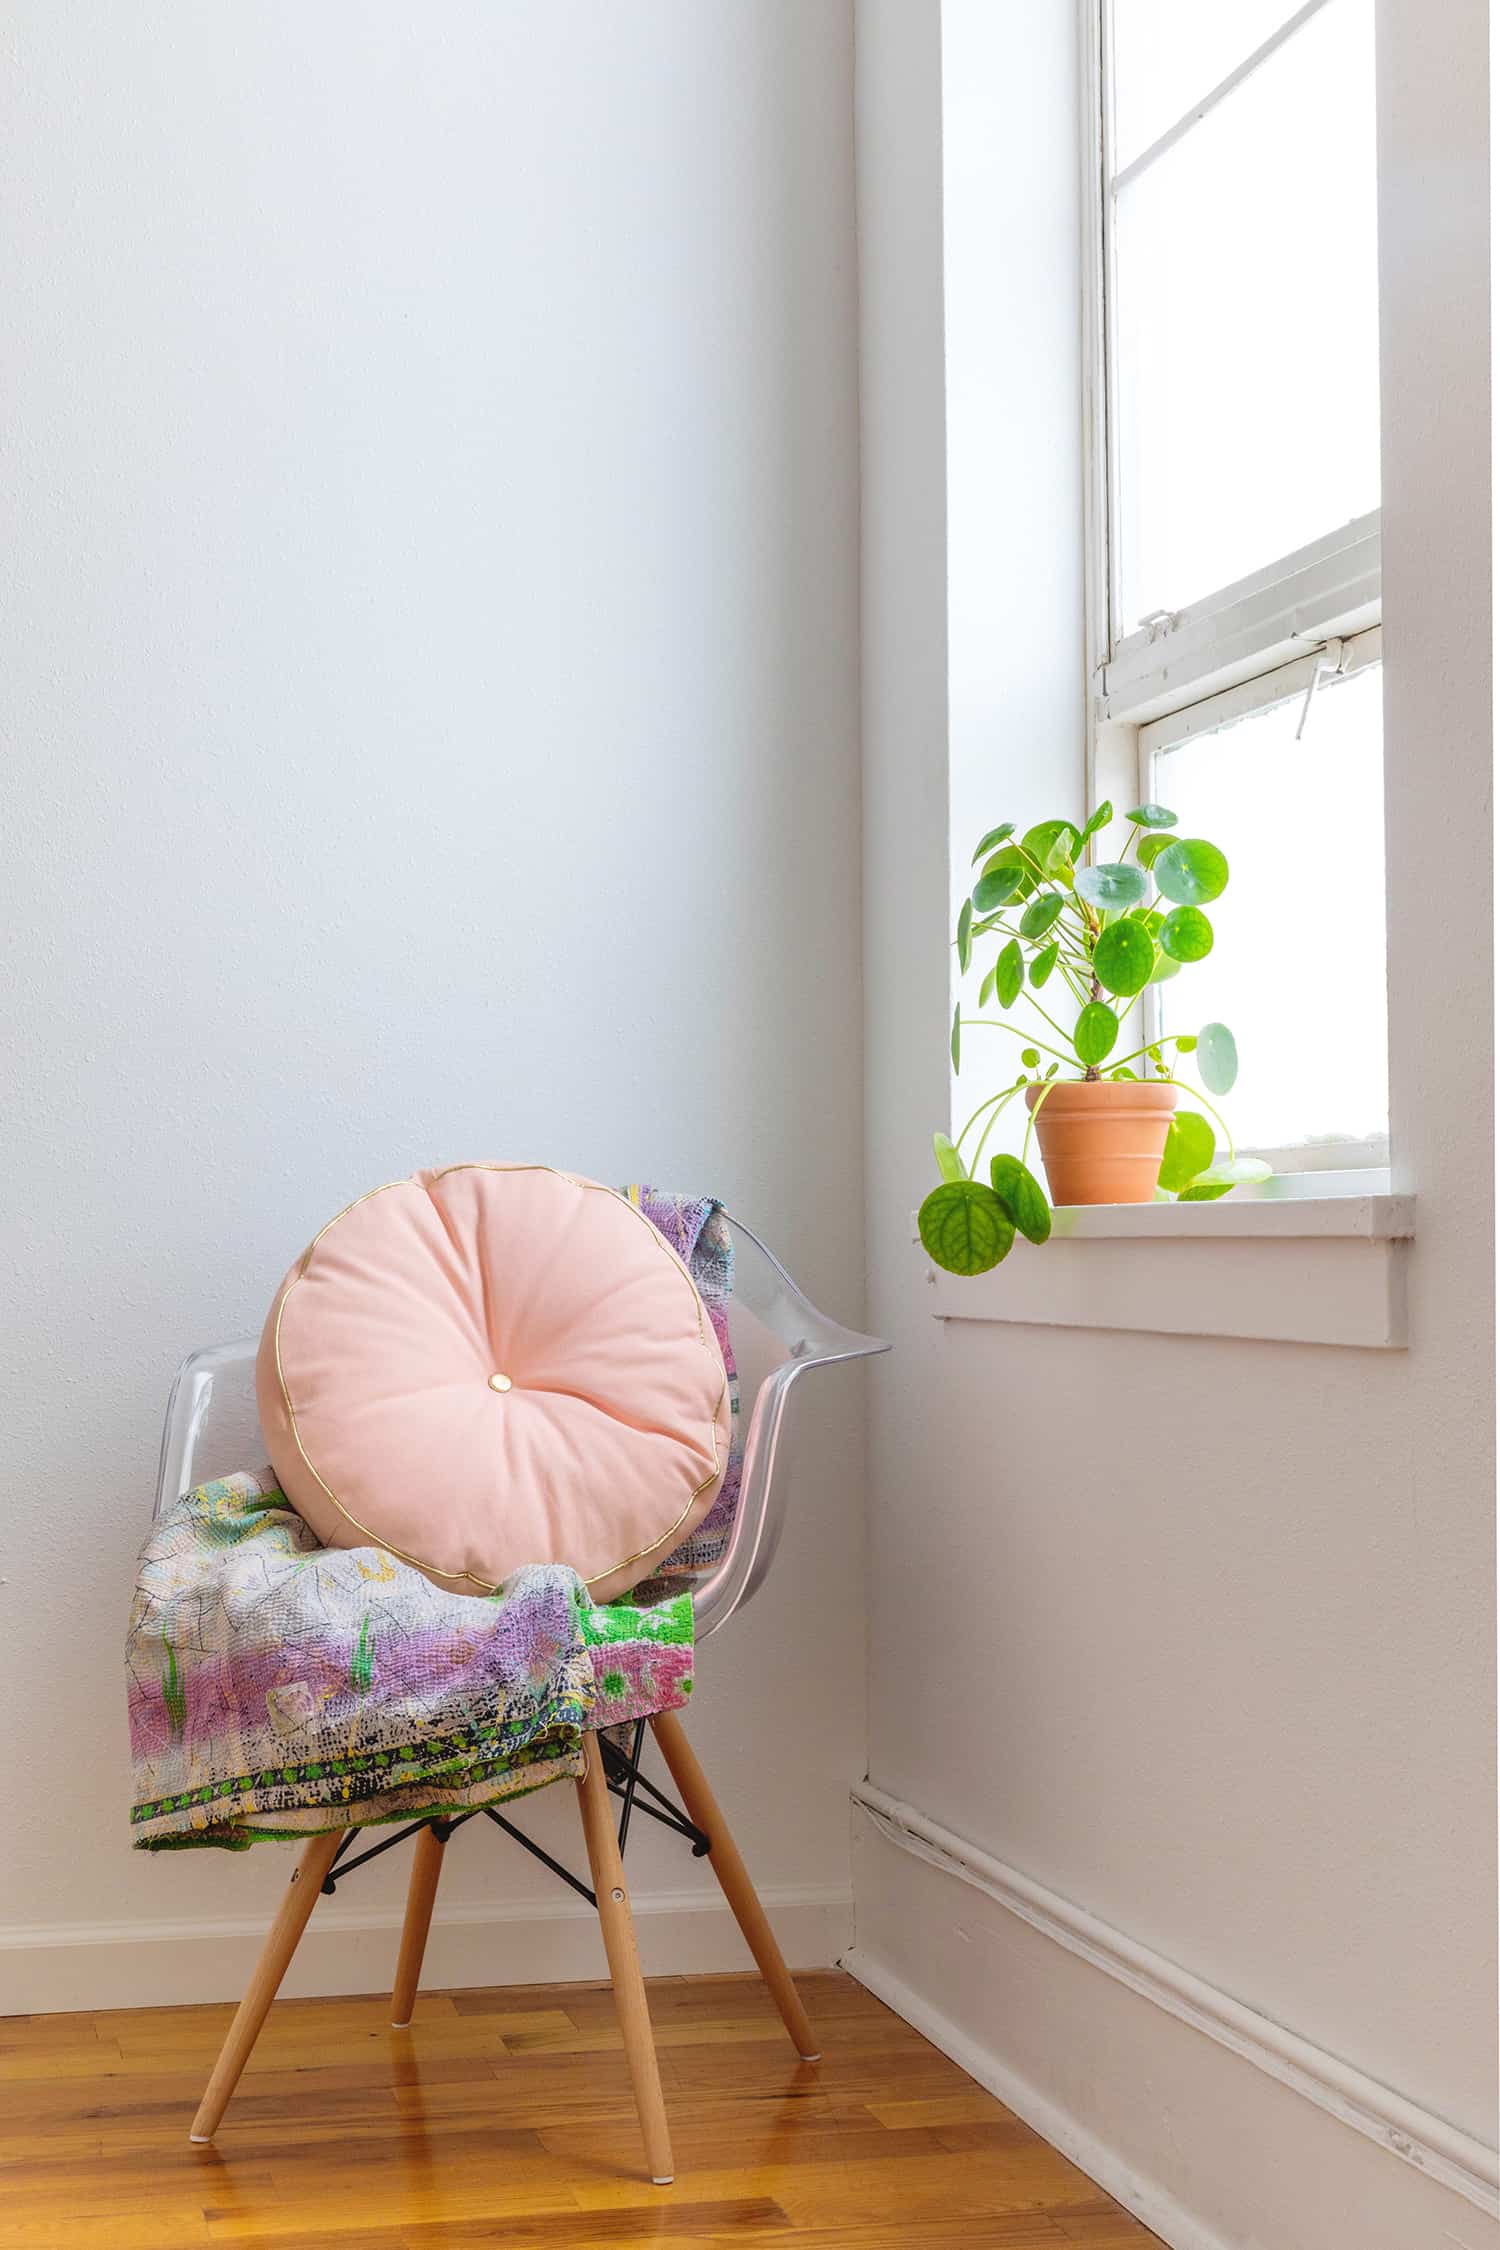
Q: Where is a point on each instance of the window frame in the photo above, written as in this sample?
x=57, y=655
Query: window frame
x=1234, y=651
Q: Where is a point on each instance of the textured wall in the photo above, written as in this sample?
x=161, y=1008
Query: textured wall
x=1217, y=1665
x=430, y=693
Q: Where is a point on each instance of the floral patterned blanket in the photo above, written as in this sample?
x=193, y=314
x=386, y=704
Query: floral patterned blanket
x=279, y=1688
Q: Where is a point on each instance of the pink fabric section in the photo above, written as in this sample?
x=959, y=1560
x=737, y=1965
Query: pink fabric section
x=378, y=1411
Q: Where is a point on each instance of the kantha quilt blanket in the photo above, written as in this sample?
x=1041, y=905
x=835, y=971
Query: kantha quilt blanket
x=280, y=1688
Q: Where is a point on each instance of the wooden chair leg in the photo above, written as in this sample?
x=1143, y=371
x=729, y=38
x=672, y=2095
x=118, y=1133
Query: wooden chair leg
x=281, y=1943
x=734, y=1880
x=608, y=1874
x=426, y=1867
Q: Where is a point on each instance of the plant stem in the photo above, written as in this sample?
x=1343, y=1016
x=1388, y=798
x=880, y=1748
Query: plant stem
x=1064, y=955
x=988, y=1103
x=1065, y=944
x=1072, y=965
x=1118, y=1063
x=997, y=1023
x=1199, y=1096
x=1031, y=1119
x=1028, y=994
x=1010, y=1091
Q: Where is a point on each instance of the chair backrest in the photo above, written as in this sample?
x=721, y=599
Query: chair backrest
x=212, y=1427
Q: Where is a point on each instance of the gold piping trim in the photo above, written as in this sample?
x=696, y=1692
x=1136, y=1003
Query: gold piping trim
x=454, y=1577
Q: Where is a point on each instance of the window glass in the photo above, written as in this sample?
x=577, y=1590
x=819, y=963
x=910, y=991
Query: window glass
x=1298, y=965
x=1170, y=53
x=1244, y=318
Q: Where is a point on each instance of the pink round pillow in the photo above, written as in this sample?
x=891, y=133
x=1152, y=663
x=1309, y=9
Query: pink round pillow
x=491, y=1365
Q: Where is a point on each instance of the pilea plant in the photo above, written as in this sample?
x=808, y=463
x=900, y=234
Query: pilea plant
x=1091, y=936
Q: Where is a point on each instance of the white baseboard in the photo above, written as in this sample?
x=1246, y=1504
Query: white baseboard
x=1150, y=2204
x=1218, y=2128
x=47, y=1970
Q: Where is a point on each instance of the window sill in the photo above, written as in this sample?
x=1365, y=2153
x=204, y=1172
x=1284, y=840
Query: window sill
x=1319, y=1259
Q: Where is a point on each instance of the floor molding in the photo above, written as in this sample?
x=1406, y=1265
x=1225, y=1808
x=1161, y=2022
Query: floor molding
x=1148, y=2203
x=51, y=1969
x=1441, y=2151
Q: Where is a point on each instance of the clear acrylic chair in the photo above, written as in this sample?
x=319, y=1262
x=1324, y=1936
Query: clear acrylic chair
x=777, y=1337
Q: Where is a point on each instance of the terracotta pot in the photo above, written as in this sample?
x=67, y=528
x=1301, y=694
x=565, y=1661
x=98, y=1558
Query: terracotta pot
x=1102, y=1139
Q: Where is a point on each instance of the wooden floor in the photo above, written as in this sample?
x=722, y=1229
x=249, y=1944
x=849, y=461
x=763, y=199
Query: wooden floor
x=505, y=2117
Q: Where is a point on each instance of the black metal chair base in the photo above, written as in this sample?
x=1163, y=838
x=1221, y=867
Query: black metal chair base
x=622, y=1772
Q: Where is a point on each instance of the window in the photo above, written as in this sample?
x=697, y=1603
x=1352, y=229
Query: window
x=1235, y=526
x=1312, y=1086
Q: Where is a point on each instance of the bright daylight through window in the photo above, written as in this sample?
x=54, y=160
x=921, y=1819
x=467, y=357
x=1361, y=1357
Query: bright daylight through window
x=1237, y=584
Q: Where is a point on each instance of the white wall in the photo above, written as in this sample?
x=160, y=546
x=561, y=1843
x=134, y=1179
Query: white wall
x=1228, y=1690
x=430, y=693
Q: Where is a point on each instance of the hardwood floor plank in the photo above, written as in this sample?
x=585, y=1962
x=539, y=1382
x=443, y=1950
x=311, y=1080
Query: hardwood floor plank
x=1104, y=2226
x=682, y=2226
x=1010, y=2230
x=865, y=2188
x=506, y=2117
x=140, y=2229
x=32, y=2033
x=972, y=2108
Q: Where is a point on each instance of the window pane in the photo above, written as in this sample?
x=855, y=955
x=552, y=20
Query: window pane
x=1170, y=53
x=1245, y=324
x=1298, y=965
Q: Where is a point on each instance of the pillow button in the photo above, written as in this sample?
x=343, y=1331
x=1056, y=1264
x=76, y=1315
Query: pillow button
x=499, y=1382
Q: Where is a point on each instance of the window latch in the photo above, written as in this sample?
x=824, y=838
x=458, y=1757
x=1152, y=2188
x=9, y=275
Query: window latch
x=1327, y=665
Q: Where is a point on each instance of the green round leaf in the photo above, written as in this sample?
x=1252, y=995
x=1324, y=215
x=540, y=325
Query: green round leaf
x=1009, y=972
x=1124, y=958
x=1111, y=887
x=1100, y=817
x=1004, y=876
x=1052, y=844
x=1189, y=1151
x=1150, y=849
x=1041, y=914
x=953, y=1037
x=1234, y=1171
x=1185, y=1042
x=965, y=1228
x=986, y=987
x=1030, y=1057
x=1187, y=934
x=1043, y=966
x=1095, y=1033
x=949, y=1162
x=988, y=842
x=1021, y=1193
x=1190, y=872
x=1152, y=816
x=996, y=889
x=1218, y=1057
x=1205, y=1191
x=1165, y=967
x=965, y=937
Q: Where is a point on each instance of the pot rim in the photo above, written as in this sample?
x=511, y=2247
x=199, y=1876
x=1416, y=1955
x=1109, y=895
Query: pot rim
x=1099, y=1093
